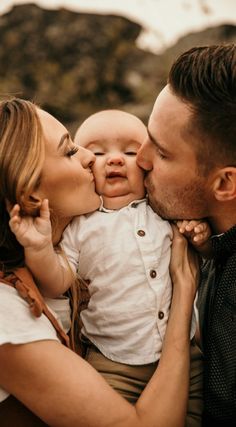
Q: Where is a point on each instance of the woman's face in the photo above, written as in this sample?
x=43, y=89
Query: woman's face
x=67, y=180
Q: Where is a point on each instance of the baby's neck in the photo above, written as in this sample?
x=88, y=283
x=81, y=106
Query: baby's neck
x=118, y=202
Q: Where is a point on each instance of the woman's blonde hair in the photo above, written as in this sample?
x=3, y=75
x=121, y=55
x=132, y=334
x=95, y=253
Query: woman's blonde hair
x=22, y=154
x=21, y=160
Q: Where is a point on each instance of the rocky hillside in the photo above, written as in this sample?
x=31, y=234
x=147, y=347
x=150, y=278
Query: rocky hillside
x=74, y=64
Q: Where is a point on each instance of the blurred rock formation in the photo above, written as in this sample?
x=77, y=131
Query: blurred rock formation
x=74, y=64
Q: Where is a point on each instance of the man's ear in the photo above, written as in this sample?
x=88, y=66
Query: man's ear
x=224, y=185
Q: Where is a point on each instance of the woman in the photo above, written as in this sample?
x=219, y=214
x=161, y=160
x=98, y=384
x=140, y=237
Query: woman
x=38, y=160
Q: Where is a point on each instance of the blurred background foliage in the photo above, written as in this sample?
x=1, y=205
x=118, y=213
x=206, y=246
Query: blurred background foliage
x=73, y=64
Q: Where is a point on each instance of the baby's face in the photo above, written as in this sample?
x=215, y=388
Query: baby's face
x=118, y=178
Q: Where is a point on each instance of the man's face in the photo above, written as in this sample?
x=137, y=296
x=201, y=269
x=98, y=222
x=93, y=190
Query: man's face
x=175, y=187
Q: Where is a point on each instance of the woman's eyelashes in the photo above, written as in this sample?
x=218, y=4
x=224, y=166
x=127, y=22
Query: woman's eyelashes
x=72, y=150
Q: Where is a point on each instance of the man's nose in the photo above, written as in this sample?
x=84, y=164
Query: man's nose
x=144, y=159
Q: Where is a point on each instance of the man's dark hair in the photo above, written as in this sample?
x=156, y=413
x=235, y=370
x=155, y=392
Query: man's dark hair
x=205, y=78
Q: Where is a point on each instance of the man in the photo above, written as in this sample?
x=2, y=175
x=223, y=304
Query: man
x=190, y=156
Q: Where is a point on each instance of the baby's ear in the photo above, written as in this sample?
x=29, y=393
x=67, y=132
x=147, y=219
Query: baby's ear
x=30, y=204
x=225, y=184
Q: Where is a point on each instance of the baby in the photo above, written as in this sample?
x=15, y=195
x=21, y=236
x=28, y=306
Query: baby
x=123, y=250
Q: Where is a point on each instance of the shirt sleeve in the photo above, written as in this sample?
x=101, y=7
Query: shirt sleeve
x=69, y=245
x=17, y=324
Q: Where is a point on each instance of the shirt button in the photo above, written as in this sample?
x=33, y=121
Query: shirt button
x=141, y=233
x=160, y=315
x=134, y=205
x=153, y=274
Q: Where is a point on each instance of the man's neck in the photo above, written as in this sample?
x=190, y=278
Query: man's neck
x=222, y=223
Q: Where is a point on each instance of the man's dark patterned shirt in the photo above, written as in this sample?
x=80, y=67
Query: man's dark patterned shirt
x=217, y=310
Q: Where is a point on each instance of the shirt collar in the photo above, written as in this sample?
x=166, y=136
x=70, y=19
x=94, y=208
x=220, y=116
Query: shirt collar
x=132, y=204
x=224, y=244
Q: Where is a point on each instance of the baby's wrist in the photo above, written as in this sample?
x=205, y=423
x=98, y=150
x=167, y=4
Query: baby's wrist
x=38, y=248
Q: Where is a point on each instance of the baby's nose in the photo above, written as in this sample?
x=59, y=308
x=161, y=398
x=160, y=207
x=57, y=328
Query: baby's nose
x=116, y=160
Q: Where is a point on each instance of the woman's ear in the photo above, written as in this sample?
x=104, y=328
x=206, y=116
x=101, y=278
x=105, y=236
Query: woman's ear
x=30, y=204
x=224, y=185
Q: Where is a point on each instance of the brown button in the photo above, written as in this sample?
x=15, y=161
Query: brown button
x=160, y=314
x=153, y=274
x=141, y=233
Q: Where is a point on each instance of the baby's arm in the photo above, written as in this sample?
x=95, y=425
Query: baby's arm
x=198, y=233
x=35, y=235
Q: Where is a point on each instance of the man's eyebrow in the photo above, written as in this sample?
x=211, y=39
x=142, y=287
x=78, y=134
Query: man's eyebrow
x=152, y=137
x=155, y=141
x=63, y=138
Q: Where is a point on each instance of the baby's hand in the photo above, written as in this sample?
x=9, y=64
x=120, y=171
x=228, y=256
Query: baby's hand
x=197, y=232
x=31, y=232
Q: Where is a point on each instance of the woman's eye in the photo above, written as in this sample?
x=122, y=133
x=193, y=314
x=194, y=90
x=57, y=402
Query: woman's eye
x=98, y=153
x=72, y=151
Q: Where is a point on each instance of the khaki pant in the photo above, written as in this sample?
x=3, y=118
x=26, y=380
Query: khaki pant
x=130, y=381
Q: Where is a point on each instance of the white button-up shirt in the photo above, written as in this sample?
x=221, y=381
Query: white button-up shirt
x=125, y=254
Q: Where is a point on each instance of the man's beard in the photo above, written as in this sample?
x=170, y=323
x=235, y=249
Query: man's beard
x=188, y=203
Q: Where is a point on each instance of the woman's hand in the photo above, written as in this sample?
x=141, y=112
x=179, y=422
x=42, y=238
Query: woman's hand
x=31, y=232
x=184, y=264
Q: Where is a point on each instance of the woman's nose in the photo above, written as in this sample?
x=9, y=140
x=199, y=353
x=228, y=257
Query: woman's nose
x=115, y=159
x=144, y=159
x=87, y=158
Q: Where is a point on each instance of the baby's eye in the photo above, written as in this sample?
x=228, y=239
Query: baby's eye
x=72, y=151
x=98, y=153
x=131, y=153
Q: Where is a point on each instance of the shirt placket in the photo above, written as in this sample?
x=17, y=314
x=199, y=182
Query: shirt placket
x=150, y=261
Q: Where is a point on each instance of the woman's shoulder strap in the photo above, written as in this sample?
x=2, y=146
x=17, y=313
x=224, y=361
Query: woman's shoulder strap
x=22, y=280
